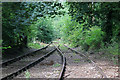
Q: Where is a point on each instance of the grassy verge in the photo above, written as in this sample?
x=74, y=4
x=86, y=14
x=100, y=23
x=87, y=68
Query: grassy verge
x=35, y=45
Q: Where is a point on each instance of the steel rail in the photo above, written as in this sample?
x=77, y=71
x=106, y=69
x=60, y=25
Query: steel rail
x=6, y=63
x=93, y=63
x=63, y=65
x=14, y=74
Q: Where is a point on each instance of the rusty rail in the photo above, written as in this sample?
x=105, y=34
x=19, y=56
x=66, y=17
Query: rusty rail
x=14, y=74
x=93, y=63
x=6, y=63
x=61, y=76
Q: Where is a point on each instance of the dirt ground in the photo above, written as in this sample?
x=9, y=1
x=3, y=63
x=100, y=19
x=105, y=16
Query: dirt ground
x=48, y=68
x=79, y=67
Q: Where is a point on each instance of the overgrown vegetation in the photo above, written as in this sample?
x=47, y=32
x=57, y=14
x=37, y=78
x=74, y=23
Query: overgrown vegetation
x=44, y=30
x=91, y=26
x=35, y=45
x=27, y=75
x=56, y=65
x=25, y=22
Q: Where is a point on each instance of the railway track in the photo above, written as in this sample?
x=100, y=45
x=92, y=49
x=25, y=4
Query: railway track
x=30, y=60
x=61, y=76
x=6, y=63
x=93, y=63
x=22, y=65
x=14, y=69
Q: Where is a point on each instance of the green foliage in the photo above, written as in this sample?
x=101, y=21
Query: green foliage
x=62, y=47
x=114, y=61
x=94, y=37
x=57, y=24
x=76, y=60
x=8, y=26
x=56, y=65
x=92, y=25
x=68, y=28
x=27, y=74
x=74, y=54
x=35, y=45
x=7, y=47
x=79, y=35
x=44, y=32
x=0, y=42
x=113, y=48
x=17, y=19
x=100, y=14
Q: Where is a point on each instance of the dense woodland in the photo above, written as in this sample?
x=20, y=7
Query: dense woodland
x=91, y=26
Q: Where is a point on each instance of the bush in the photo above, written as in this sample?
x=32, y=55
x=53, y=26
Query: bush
x=68, y=30
x=80, y=35
x=44, y=32
x=94, y=37
x=76, y=34
x=113, y=48
x=35, y=45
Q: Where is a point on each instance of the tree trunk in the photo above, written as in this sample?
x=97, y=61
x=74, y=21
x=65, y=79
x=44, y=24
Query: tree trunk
x=108, y=27
x=25, y=41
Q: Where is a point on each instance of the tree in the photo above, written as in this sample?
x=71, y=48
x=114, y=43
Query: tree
x=17, y=18
x=100, y=14
x=44, y=32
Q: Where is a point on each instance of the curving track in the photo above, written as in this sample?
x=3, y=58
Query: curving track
x=18, y=65
x=15, y=69
x=26, y=62
x=61, y=76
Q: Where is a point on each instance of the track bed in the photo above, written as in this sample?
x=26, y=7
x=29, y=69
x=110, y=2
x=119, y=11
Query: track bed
x=23, y=62
x=79, y=67
x=55, y=63
x=48, y=68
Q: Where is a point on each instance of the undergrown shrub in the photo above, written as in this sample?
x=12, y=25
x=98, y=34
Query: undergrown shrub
x=80, y=35
x=113, y=48
x=44, y=30
x=90, y=39
x=94, y=37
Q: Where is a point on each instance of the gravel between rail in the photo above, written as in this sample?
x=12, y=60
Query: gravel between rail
x=79, y=67
x=48, y=68
x=23, y=62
